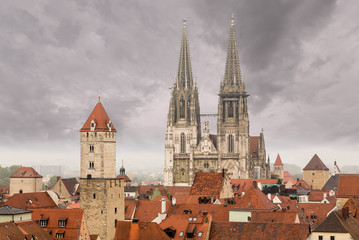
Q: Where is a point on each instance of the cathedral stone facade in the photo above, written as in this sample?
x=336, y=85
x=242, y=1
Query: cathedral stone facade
x=232, y=149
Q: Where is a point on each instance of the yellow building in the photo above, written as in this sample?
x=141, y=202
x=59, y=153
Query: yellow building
x=316, y=174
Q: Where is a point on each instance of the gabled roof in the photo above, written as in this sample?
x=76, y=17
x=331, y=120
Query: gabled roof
x=147, y=210
x=31, y=200
x=353, y=205
x=332, y=183
x=320, y=210
x=70, y=184
x=255, y=231
x=336, y=223
x=125, y=177
x=10, y=210
x=23, y=230
x=278, y=161
x=316, y=164
x=207, y=183
x=130, y=206
x=345, y=185
x=26, y=172
x=287, y=177
x=73, y=218
x=254, y=199
x=139, y=231
x=101, y=119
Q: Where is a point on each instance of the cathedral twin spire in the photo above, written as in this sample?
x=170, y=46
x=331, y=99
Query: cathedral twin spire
x=184, y=75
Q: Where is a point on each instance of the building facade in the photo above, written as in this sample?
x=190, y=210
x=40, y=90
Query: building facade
x=25, y=180
x=102, y=194
x=232, y=149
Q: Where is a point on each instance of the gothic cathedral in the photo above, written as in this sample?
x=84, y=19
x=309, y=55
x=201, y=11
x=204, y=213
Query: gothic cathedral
x=232, y=149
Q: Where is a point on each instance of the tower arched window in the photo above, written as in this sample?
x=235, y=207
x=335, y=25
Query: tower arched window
x=230, y=109
x=182, y=107
x=230, y=143
x=183, y=143
x=189, y=108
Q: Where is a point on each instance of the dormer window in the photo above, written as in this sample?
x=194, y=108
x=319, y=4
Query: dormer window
x=43, y=222
x=109, y=126
x=194, y=219
x=62, y=222
x=190, y=219
x=93, y=125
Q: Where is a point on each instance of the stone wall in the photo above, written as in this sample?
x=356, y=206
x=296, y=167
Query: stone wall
x=316, y=178
x=26, y=185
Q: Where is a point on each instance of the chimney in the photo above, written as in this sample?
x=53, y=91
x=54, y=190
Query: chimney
x=212, y=198
x=135, y=220
x=345, y=212
x=163, y=205
x=255, y=184
x=173, y=201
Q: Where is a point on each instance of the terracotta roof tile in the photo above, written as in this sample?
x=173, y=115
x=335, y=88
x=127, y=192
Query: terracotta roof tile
x=255, y=231
x=277, y=217
x=31, y=200
x=147, y=210
x=287, y=177
x=353, y=205
x=319, y=211
x=255, y=199
x=278, y=161
x=20, y=230
x=101, y=119
x=207, y=184
x=139, y=231
x=316, y=164
x=26, y=172
x=242, y=185
x=73, y=218
x=130, y=206
x=345, y=185
x=125, y=177
x=301, y=184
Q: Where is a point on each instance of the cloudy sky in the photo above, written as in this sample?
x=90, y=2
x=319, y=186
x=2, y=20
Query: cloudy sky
x=299, y=59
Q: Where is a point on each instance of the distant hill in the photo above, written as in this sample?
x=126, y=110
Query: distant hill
x=293, y=169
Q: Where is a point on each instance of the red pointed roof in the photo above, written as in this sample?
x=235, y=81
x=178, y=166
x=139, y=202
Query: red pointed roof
x=316, y=164
x=26, y=172
x=101, y=119
x=278, y=161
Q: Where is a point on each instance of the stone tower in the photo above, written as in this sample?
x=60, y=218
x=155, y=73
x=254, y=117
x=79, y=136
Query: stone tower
x=278, y=167
x=183, y=122
x=315, y=173
x=102, y=194
x=233, y=121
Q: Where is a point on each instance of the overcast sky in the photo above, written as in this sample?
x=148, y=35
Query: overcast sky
x=299, y=59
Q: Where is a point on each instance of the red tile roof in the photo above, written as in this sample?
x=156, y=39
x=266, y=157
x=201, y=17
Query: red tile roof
x=316, y=164
x=242, y=185
x=278, y=161
x=26, y=172
x=31, y=200
x=287, y=177
x=101, y=119
x=147, y=210
x=207, y=184
x=255, y=231
x=22, y=230
x=319, y=210
x=277, y=217
x=353, y=205
x=254, y=199
x=73, y=218
x=139, y=231
x=301, y=184
x=254, y=142
x=125, y=177
x=130, y=206
x=346, y=185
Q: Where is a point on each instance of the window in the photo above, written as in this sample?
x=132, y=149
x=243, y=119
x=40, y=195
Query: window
x=332, y=238
x=200, y=234
x=87, y=135
x=182, y=108
x=83, y=225
x=194, y=219
x=43, y=223
x=92, y=148
x=180, y=234
x=190, y=219
x=115, y=223
x=320, y=237
x=59, y=235
x=95, y=134
x=85, y=236
x=62, y=223
x=230, y=143
x=30, y=201
x=119, y=195
x=230, y=109
x=81, y=237
x=91, y=165
x=183, y=143
x=94, y=196
x=115, y=209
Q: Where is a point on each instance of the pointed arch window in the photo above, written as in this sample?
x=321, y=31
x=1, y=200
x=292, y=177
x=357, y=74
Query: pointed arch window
x=189, y=108
x=183, y=143
x=230, y=109
x=182, y=107
x=230, y=143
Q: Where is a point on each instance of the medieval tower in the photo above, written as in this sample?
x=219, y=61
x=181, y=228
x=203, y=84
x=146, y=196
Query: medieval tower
x=232, y=149
x=102, y=194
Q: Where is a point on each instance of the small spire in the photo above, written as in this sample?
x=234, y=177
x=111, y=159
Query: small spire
x=232, y=20
x=99, y=98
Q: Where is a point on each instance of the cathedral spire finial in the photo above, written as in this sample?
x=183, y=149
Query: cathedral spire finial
x=184, y=75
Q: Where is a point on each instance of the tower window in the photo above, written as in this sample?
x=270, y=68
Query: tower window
x=115, y=209
x=115, y=222
x=95, y=134
x=91, y=165
x=230, y=109
x=183, y=143
x=182, y=108
x=87, y=135
x=92, y=148
x=94, y=196
x=188, y=108
x=230, y=143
